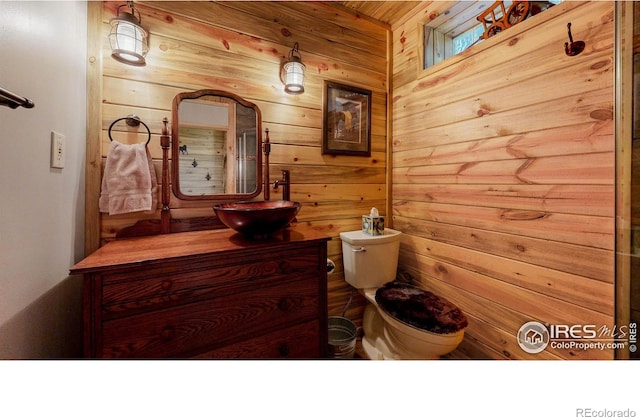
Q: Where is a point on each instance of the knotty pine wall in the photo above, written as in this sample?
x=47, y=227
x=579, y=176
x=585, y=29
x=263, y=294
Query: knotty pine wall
x=238, y=47
x=503, y=176
x=635, y=178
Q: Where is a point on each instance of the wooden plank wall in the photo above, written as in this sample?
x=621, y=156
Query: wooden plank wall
x=238, y=47
x=635, y=179
x=503, y=174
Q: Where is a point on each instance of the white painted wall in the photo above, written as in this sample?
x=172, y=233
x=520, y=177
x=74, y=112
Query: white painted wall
x=43, y=53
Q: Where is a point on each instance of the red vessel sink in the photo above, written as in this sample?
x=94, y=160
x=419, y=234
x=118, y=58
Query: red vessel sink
x=257, y=219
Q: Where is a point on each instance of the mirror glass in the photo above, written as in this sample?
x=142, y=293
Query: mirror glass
x=216, y=142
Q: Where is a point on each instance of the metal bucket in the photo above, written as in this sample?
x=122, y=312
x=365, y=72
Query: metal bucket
x=342, y=338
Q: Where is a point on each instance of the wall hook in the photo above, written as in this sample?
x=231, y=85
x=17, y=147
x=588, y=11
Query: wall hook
x=572, y=48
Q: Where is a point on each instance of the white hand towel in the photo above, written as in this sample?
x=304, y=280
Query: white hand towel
x=129, y=182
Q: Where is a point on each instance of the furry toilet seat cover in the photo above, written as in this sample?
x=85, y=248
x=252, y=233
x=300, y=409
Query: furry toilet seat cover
x=420, y=308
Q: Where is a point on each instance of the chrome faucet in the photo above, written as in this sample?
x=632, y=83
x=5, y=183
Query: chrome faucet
x=285, y=183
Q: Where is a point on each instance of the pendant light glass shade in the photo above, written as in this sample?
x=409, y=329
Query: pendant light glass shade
x=293, y=72
x=129, y=40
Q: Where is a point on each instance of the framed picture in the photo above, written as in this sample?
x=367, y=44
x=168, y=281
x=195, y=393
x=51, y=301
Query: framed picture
x=346, y=120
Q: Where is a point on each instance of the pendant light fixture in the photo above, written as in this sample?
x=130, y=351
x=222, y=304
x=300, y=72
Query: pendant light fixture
x=293, y=72
x=129, y=43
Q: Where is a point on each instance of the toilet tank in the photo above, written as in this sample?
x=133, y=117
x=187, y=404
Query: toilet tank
x=370, y=261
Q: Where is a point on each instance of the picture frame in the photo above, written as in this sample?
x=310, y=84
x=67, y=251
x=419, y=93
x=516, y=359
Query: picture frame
x=346, y=119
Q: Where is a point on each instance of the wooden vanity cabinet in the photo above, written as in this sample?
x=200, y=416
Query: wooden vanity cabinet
x=207, y=294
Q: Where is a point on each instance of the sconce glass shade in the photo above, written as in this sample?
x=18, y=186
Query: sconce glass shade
x=293, y=73
x=129, y=40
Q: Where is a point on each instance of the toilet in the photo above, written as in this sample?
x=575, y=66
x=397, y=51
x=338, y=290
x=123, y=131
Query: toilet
x=370, y=264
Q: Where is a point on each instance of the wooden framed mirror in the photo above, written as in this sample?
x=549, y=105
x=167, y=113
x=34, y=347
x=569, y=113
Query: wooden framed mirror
x=216, y=144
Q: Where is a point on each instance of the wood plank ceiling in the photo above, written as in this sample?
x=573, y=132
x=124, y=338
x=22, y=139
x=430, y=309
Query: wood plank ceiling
x=450, y=17
x=388, y=12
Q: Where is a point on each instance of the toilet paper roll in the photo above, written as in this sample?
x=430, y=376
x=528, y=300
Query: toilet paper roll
x=331, y=266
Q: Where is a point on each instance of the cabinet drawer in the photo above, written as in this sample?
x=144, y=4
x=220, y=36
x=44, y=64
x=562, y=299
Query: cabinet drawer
x=157, y=288
x=296, y=342
x=188, y=329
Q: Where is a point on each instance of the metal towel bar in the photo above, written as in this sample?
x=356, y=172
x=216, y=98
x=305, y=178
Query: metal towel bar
x=14, y=101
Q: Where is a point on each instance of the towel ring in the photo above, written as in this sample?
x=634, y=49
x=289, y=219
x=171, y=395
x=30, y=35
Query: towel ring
x=132, y=120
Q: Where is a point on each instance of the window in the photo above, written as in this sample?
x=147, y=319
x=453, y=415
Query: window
x=467, y=38
x=459, y=28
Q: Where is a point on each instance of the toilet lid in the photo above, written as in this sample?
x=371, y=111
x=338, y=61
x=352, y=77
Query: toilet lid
x=419, y=308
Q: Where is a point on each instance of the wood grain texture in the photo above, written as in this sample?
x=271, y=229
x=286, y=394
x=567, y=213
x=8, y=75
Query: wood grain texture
x=503, y=167
x=207, y=294
x=93, y=167
x=239, y=47
x=502, y=160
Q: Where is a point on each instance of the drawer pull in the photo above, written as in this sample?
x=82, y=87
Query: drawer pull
x=166, y=284
x=167, y=333
x=284, y=266
x=285, y=304
x=284, y=349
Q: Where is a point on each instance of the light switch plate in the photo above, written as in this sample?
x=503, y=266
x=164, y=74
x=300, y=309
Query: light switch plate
x=57, y=150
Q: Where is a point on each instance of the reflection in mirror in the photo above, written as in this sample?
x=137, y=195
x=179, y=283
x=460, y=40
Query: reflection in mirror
x=215, y=146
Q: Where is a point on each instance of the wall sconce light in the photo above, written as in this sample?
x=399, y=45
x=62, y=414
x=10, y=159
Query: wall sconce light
x=292, y=74
x=127, y=38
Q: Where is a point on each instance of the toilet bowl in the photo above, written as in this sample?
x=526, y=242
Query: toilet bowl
x=370, y=262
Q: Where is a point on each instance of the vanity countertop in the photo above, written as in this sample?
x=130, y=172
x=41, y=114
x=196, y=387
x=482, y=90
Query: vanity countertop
x=148, y=249
x=207, y=294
